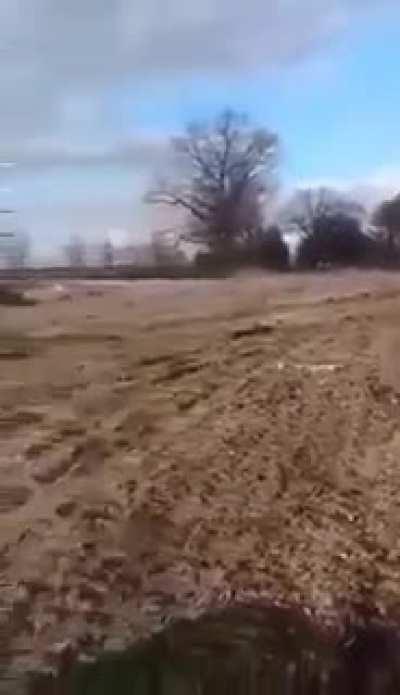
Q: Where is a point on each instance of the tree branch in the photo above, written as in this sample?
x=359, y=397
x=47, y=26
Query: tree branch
x=166, y=198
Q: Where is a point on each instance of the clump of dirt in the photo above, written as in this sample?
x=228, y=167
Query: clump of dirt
x=50, y=466
x=13, y=496
x=254, y=330
x=10, y=296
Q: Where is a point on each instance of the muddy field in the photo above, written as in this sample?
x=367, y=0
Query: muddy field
x=164, y=443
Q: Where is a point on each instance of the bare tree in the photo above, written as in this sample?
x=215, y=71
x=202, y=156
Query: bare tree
x=330, y=225
x=309, y=206
x=107, y=254
x=337, y=239
x=5, y=237
x=226, y=171
x=75, y=252
x=387, y=219
x=18, y=249
x=273, y=249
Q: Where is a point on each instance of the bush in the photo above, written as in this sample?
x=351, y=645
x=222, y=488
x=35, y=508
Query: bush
x=217, y=263
x=266, y=249
x=273, y=250
x=386, y=218
x=336, y=240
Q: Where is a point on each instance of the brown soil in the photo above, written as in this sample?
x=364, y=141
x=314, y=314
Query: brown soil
x=164, y=443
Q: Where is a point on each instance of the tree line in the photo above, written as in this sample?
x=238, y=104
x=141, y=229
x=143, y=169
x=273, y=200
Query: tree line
x=225, y=182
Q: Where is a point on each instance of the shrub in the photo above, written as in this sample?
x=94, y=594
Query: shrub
x=336, y=239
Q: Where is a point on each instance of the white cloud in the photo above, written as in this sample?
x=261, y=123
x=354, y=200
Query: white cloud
x=369, y=189
x=142, y=150
x=62, y=61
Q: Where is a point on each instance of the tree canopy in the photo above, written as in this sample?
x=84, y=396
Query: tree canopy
x=329, y=224
x=307, y=207
x=387, y=219
x=224, y=172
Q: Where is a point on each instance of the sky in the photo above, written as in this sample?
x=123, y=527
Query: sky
x=92, y=90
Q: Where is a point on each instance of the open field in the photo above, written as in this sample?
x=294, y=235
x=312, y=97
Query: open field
x=164, y=442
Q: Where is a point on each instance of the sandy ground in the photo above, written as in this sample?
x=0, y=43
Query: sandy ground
x=165, y=442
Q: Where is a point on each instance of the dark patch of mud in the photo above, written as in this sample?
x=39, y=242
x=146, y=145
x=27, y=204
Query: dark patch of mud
x=246, y=649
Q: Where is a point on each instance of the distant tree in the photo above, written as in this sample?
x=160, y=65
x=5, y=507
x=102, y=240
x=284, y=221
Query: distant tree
x=18, y=249
x=75, y=252
x=308, y=206
x=386, y=219
x=273, y=251
x=225, y=171
x=267, y=249
x=336, y=239
x=166, y=248
x=107, y=254
x=330, y=227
